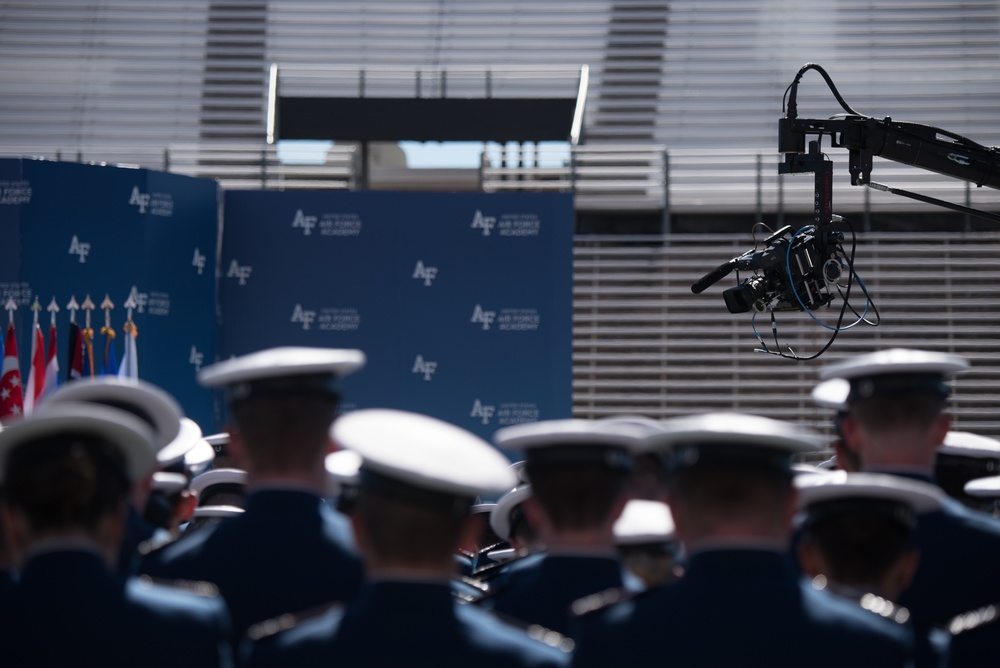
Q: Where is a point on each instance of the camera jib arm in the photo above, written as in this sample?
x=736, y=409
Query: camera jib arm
x=923, y=146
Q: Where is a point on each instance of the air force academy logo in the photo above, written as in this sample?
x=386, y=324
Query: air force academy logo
x=482, y=411
x=306, y=223
x=76, y=247
x=196, y=358
x=306, y=317
x=420, y=365
x=241, y=272
x=486, y=318
x=198, y=262
x=427, y=274
x=484, y=223
x=139, y=199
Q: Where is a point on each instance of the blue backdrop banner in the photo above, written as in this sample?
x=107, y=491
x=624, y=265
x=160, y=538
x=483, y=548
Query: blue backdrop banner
x=71, y=231
x=461, y=301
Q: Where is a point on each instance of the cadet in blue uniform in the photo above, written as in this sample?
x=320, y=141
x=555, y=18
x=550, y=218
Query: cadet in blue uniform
x=418, y=481
x=962, y=458
x=739, y=602
x=163, y=414
x=288, y=551
x=857, y=543
x=895, y=422
x=579, y=472
x=66, y=473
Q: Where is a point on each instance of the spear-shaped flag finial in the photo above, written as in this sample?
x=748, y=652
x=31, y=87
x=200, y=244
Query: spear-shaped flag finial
x=72, y=307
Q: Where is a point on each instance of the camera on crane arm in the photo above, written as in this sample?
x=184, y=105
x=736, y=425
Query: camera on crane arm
x=792, y=272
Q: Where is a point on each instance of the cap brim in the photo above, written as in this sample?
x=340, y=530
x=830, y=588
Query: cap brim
x=623, y=433
x=143, y=399
x=922, y=497
x=896, y=361
x=737, y=429
x=130, y=435
x=643, y=522
x=424, y=452
x=218, y=477
x=500, y=514
x=281, y=363
x=188, y=436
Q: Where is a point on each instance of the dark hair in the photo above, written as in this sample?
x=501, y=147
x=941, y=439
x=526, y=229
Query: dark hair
x=66, y=481
x=400, y=528
x=287, y=432
x=577, y=497
x=881, y=413
x=709, y=494
x=859, y=549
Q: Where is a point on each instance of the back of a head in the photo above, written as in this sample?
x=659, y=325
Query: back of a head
x=577, y=498
x=862, y=524
x=68, y=467
x=730, y=474
x=579, y=469
x=419, y=478
x=64, y=483
x=282, y=401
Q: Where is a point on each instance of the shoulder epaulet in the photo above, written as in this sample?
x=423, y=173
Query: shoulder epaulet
x=197, y=587
x=487, y=573
x=883, y=607
x=275, y=625
x=537, y=632
x=600, y=601
x=476, y=589
x=974, y=619
x=156, y=543
x=473, y=582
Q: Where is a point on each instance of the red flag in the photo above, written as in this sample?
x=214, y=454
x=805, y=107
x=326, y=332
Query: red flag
x=36, y=373
x=11, y=401
x=52, y=362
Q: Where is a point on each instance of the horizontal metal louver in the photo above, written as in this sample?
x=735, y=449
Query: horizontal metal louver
x=644, y=344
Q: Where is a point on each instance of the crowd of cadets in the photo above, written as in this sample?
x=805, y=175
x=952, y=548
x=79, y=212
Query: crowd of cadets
x=300, y=538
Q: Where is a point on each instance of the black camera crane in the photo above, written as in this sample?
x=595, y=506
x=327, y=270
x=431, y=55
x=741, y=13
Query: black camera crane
x=797, y=271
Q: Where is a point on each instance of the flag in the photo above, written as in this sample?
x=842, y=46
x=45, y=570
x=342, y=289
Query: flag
x=11, y=399
x=52, y=365
x=88, y=352
x=130, y=358
x=110, y=366
x=74, y=361
x=36, y=372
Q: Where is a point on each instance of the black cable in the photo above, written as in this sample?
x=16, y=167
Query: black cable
x=792, y=104
x=846, y=296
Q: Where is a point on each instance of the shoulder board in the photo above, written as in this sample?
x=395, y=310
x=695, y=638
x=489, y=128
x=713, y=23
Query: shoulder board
x=275, y=625
x=974, y=619
x=155, y=544
x=197, y=587
x=487, y=573
x=883, y=607
x=600, y=601
x=537, y=632
x=472, y=582
x=474, y=589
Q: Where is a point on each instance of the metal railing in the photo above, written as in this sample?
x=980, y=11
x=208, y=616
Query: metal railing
x=626, y=177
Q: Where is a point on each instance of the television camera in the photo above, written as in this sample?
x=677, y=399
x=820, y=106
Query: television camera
x=802, y=270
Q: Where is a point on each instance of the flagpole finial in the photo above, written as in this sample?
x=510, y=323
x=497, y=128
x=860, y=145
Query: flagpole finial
x=72, y=307
x=130, y=303
x=36, y=308
x=10, y=306
x=107, y=305
x=88, y=306
x=53, y=308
